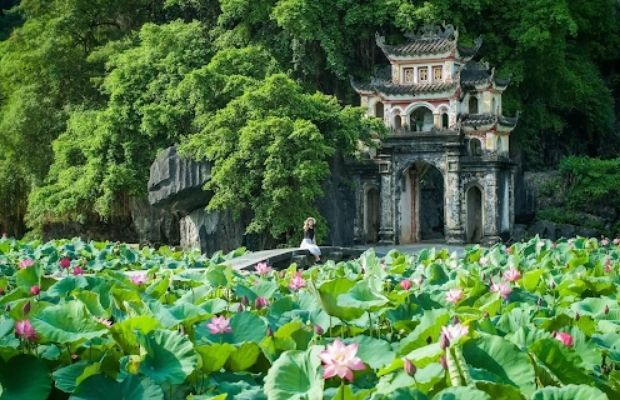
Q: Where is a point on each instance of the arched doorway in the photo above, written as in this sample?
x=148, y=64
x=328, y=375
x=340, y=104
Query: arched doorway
x=422, y=204
x=379, y=110
x=421, y=120
x=398, y=123
x=473, y=105
x=444, y=121
x=371, y=215
x=474, y=215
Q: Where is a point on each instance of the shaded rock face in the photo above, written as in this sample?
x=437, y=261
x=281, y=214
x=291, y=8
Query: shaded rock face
x=211, y=231
x=338, y=204
x=176, y=183
x=155, y=226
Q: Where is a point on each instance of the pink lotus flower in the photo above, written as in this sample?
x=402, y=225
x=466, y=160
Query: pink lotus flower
x=260, y=302
x=454, y=295
x=502, y=288
x=616, y=241
x=318, y=330
x=509, y=250
x=405, y=284
x=103, y=321
x=340, y=359
x=409, y=367
x=219, y=325
x=297, y=282
x=139, y=279
x=35, y=290
x=604, y=242
x=452, y=333
x=512, y=275
x=64, y=263
x=608, y=267
x=262, y=268
x=565, y=338
x=25, y=330
x=25, y=263
x=78, y=271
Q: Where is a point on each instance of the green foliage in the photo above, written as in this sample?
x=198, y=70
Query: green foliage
x=592, y=183
x=590, y=188
x=105, y=154
x=143, y=343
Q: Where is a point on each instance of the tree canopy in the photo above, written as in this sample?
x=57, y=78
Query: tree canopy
x=91, y=90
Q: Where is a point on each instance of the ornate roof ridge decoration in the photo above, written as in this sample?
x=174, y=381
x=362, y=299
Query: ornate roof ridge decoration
x=427, y=40
x=433, y=32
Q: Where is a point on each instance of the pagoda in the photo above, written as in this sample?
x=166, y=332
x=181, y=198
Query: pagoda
x=443, y=172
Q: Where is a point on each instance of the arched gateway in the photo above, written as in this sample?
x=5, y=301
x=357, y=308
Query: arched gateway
x=440, y=174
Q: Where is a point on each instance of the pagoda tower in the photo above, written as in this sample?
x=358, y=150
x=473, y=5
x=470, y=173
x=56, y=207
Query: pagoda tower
x=448, y=140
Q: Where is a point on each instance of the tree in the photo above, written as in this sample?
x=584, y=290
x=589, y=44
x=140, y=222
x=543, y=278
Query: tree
x=103, y=157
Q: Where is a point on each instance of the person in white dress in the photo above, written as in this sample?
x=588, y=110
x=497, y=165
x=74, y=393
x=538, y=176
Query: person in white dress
x=309, y=240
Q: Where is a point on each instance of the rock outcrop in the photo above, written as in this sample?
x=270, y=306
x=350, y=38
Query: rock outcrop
x=176, y=188
x=176, y=184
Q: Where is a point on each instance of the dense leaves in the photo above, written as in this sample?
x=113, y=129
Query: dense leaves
x=203, y=333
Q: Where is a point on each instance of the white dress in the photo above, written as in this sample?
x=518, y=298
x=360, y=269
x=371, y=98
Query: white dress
x=309, y=245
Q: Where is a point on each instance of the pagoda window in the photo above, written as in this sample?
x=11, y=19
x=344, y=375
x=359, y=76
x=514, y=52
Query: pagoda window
x=408, y=75
x=437, y=73
x=473, y=105
x=475, y=147
x=444, y=120
x=398, y=123
x=379, y=110
x=422, y=74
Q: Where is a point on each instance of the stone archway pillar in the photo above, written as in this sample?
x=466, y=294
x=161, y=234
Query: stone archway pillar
x=454, y=231
x=386, y=230
x=491, y=208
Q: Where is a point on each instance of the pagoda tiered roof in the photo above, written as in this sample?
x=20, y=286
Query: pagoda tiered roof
x=428, y=41
x=476, y=75
x=388, y=88
x=487, y=121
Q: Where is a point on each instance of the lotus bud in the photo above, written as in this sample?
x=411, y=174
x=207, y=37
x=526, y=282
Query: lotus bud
x=606, y=310
x=318, y=330
x=409, y=367
x=260, y=302
x=455, y=320
x=240, y=308
x=35, y=290
x=405, y=284
x=245, y=301
x=444, y=342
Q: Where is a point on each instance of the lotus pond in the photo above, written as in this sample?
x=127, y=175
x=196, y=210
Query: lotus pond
x=536, y=320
